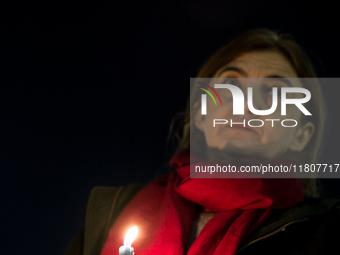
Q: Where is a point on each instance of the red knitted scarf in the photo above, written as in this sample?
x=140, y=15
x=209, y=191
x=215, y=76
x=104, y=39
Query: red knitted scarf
x=164, y=211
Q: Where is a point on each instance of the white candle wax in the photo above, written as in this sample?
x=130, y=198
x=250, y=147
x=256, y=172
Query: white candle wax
x=125, y=250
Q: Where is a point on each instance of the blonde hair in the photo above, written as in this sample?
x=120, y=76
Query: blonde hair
x=263, y=40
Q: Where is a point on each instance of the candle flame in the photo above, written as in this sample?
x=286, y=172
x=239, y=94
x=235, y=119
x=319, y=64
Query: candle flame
x=130, y=236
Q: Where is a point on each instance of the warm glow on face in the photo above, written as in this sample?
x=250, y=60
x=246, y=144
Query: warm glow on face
x=130, y=236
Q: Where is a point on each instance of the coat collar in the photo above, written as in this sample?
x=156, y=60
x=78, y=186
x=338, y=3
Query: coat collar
x=281, y=218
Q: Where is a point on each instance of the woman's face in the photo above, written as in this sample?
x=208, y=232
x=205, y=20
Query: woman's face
x=266, y=141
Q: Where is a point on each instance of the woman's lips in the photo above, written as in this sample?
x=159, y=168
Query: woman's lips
x=241, y=127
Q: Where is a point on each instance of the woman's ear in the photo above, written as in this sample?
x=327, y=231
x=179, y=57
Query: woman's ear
x=302, y=137
x=199, y=119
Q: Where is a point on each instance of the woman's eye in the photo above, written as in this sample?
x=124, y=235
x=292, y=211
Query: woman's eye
x=269, y=91
x=232, y=81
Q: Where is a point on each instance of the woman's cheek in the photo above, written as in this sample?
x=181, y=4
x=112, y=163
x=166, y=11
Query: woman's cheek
x=274, y=134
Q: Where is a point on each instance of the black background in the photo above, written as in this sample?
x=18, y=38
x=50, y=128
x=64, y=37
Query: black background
x=87, y=93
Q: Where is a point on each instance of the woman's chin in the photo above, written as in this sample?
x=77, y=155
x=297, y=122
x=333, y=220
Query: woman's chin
x=236, y=147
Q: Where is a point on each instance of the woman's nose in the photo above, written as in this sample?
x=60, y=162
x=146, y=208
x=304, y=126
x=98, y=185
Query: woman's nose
x=254, y=99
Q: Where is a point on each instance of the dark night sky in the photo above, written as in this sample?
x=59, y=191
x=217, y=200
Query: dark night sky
x=81, y=86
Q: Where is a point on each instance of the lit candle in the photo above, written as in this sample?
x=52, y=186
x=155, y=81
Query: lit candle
x=130, y=236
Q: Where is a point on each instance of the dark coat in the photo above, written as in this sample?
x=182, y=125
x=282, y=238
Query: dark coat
x=311, y=227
